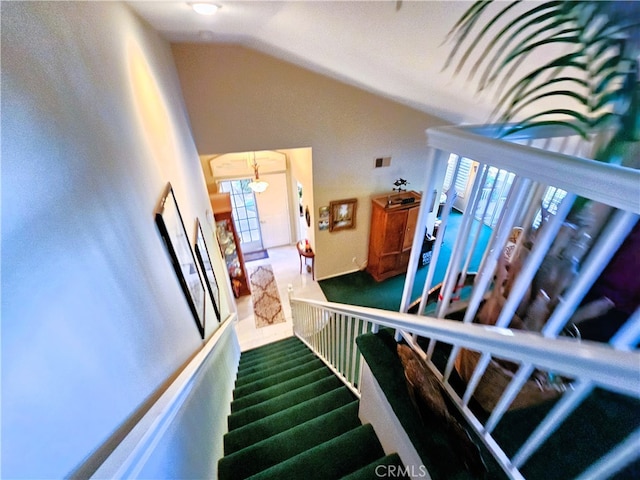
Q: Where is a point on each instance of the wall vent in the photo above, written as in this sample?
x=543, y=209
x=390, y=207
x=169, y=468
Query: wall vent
x=382, y=162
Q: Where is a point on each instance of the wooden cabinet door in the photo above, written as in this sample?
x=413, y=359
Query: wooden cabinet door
x=410, y=228
x=394, y=232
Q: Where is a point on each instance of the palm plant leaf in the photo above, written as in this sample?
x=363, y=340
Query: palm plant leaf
x=586, y=63
x=520, y=105
x=472, y=16
x=464, y=26
x=543, y=28
x=484, y=31
x=517, y=89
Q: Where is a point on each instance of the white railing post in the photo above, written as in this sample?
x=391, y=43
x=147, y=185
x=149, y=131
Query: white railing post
x=332, y=329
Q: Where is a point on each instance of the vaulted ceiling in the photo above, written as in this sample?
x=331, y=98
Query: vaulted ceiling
x=392, y=48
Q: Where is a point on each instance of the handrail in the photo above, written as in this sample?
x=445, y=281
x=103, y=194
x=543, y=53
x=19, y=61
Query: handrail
x=611, y=184
x=613, y=195
x=589, y=364
x=130, y=455
x=616, y=370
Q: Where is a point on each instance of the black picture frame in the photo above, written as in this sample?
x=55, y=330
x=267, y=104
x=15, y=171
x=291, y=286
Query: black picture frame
x=173, y=233
x=202, y=254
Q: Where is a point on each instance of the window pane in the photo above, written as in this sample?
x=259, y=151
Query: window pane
x=451, y=166
x=463, y=176
x=250, y=200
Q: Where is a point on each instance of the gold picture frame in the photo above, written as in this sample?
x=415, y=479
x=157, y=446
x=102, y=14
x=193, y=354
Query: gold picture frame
x=342, y=214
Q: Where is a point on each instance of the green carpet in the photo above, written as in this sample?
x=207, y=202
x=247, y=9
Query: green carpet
x=435, y=448
x=600, y=422
x=361, y=289
x=292, y=418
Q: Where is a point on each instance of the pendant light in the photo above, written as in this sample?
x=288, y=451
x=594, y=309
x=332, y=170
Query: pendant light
x=256, y=184
x=204, y=8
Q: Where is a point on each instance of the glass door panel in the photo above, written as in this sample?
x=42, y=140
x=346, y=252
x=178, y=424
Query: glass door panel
x=245, y=213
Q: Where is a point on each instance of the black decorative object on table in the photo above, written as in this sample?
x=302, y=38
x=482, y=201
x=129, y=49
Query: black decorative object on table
x=399, y=184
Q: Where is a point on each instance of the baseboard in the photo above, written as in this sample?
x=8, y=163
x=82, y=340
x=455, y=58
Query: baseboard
x=341, y=274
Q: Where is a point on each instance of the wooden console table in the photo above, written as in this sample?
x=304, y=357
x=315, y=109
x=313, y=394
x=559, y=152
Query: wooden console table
x=306, y=252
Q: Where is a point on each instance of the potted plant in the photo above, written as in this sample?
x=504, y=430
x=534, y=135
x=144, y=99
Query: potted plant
x=590, y=66
x=587, y=81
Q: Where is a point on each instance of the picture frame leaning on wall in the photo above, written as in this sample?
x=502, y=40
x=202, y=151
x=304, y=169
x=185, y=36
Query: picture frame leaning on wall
x=175, y=239
x=204, y=260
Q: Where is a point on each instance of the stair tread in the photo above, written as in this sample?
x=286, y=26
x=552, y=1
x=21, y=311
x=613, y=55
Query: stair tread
x=330, y=460
x=278, y=422
x=272, y=355
x=276, y=379
x=275, y=358
x=285, y=365
x=287, y=444
x=259, y=367
x=389, y=466
x=286, y=399
x=285, y=341
x=266, y=394
x=246, y=360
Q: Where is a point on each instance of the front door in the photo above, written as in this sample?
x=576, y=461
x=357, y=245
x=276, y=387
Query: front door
x=273, y=209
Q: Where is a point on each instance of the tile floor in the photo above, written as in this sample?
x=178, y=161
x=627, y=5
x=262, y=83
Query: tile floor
x=286, y=268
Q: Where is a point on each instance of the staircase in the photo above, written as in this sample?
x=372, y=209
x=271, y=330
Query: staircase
x=291, y=417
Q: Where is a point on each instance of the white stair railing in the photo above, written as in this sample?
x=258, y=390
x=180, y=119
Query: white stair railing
x=541, y=165
x=330, y=329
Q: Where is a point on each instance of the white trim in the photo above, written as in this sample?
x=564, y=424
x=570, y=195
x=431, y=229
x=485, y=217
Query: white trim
x=130, y=456
x=614, y=369
x=611, y=184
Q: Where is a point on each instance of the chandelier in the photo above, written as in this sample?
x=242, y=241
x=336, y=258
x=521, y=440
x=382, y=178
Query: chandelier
x=256, y=184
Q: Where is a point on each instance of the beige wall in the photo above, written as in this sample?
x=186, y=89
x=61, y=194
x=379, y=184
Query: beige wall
x=239, y=100
x=298, y=170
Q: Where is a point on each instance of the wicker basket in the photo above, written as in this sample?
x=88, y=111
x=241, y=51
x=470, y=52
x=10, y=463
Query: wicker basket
x=497, y=377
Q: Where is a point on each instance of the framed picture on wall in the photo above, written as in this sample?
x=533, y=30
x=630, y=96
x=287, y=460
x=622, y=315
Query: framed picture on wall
x=323, y=218
x=202, y=254
x=342, y=214
x=171, y=228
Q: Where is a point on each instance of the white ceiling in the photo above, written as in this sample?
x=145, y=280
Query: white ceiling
x=392, y=48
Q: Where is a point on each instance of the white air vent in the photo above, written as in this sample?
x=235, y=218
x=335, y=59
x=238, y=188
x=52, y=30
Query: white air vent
x=382, y=162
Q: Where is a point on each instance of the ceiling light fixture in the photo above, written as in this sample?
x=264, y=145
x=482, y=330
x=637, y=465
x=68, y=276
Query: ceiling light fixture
x=205, y=8
x=256, y=184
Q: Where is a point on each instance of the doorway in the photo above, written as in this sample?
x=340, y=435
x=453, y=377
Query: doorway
x=245, y=213
x=270, y=218
x=262, y=219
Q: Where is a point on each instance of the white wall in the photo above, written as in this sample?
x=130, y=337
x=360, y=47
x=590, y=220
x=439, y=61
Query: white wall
x=93, y=319
x=301, y=162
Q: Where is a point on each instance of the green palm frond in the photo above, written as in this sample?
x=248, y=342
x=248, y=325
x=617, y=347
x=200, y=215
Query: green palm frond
x=585, y=72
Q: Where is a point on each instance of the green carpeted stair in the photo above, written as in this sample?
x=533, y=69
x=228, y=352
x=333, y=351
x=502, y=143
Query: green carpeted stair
x=292, y=418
